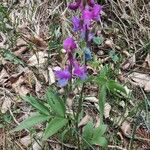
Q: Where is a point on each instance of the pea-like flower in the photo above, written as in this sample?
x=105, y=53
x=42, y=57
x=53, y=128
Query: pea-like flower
x=87, y=16
x=74, y=5
x=91, y=2
x=80, y=71
x=69, y=44
x=63, y=77
x=76, y=24
x=96, y=12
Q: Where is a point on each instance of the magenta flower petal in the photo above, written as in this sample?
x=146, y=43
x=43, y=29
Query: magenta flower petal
x=91, y=2
x=87, y=17
x=76, y=24
x=87, y=14
x=63, y=77
x=63, y=74
x=96, y=11
x=74, y=5
x=80, y=71
x=69, y=44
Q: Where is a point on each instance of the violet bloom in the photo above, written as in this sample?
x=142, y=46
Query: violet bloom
x=69, y=44
x=74, y=5
x=96, y=12
x=80, y=71
x=91, y=2
x=76, y=24
x=87, y=17
x=63, y=77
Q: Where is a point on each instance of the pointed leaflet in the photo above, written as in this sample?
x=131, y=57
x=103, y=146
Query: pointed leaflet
x=36, y=104
x=99, y=131
x=31, y=121
x=88, y=131
x=55, y=102
x=54, y=126
x=115, y=87
x=100, y=141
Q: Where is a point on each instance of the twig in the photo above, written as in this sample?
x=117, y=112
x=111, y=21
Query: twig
x=66, y=145
x=116, y=147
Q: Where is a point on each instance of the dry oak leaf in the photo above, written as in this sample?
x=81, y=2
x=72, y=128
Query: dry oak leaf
x=140, y=79
x=84, y=120
x=38, y=59
x=107, y=109
x=126, y=128
x=6, y=104
x=3, y=76
x=19, y=87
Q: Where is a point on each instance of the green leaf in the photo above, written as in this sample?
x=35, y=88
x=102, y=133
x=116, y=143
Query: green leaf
x=99, y=131
x=31, y=121
x=54, y=126
x=36, y=104
x=98, y=40
x=88, y=131
x=102, y=99
x=55, y=102
x=115, y=87
x=100, y=141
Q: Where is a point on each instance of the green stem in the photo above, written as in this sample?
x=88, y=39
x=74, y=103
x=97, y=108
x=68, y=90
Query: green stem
x=77, y=115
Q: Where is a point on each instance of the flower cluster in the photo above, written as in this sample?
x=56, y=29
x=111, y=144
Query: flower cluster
x=74, y=68
x=90, y=11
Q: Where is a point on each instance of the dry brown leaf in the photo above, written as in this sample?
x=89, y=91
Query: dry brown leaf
x=97, y=124
x=19, y=87
x=147, y=61
x=21, y=42
x=38, y=86
x=126, y=128
x=38, y=41
x=6, y=104
x=92, y=99
x=20, y=51
x=140, y=79
x=70, y=101
x=109, y=43
x=2, y=40
x=38, y=59
x=26, y=141
x=84, y=120
x=126, y=53
x=129, y=63
x=107, y=109
x=51, y=76
x=3, y=76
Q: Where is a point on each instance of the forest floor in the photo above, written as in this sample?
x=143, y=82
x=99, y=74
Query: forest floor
x=31, y=37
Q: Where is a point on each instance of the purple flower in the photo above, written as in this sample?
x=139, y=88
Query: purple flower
x=91, y=2
x=63, y=77
x=69, y=44
x=80, y=71
x=87, y=17
x=96, y=11
x=76, y=23
x=74, y=5
x=87, y=14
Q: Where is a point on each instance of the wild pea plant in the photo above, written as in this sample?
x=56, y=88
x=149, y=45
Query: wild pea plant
x=53, y=109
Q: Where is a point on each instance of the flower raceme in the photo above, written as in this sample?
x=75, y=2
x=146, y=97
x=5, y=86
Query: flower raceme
x=69, y=44
x=73, y=68
x=90, y=11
